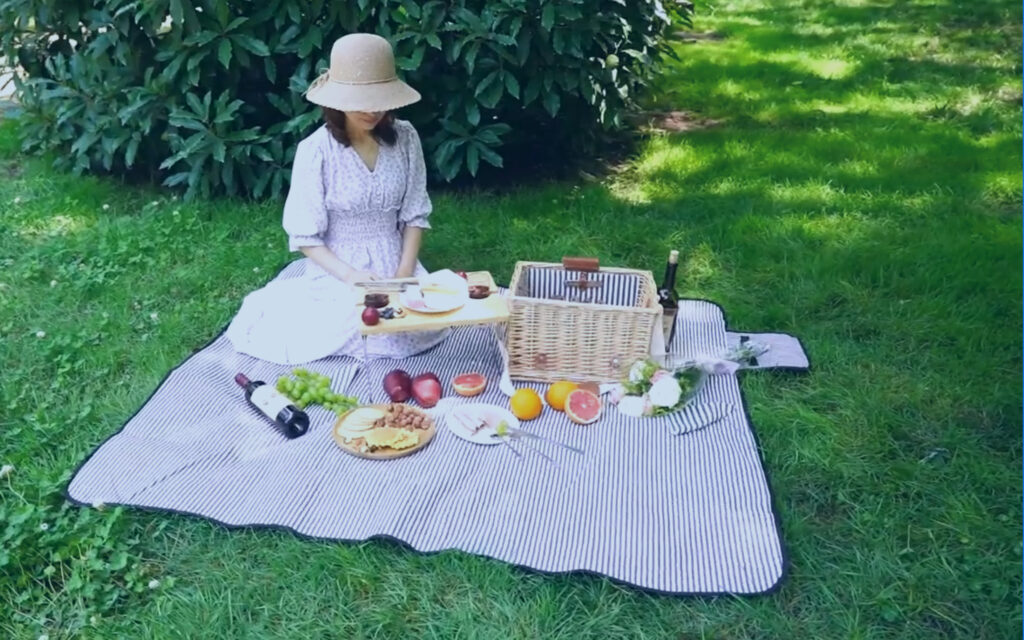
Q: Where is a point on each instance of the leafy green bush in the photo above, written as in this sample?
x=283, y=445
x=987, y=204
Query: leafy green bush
x=207, y=94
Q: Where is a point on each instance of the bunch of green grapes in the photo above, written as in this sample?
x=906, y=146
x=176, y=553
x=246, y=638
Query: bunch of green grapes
x=307, y=387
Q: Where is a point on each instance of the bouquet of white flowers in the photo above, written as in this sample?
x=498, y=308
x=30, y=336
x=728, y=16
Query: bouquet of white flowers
x=650, y=389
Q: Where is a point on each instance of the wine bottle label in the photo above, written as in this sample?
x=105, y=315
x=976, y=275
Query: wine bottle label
x=269, y=400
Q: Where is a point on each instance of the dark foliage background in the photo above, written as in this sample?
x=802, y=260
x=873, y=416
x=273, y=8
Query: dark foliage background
x=206, y=95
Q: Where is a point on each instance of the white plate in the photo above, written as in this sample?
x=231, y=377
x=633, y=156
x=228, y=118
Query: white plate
x=493, y=414
x=414, y=300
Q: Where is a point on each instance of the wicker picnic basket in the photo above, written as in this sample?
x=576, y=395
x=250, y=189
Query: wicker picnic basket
x=578, y=325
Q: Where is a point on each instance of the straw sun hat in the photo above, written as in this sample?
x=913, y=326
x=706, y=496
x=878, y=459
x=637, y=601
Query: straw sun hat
x=361, y=77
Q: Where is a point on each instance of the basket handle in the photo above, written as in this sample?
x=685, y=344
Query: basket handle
x=584, y=286
x=570, y=263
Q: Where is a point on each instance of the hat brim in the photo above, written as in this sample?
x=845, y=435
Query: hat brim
x=379, y=96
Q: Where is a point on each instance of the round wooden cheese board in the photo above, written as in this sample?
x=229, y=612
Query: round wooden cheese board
x=352, y=437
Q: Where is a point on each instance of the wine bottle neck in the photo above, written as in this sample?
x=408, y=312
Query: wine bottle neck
x=669, y=281
x=243, y=381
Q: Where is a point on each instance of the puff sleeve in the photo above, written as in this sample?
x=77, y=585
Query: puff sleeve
x=416, y=206
x=305, y=215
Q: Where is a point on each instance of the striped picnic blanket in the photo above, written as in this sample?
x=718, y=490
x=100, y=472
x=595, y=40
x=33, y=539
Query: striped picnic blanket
x=675, y=514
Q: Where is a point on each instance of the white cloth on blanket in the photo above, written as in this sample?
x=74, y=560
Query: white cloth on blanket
x=305, y=318
x=784, y=350
x=336, y=201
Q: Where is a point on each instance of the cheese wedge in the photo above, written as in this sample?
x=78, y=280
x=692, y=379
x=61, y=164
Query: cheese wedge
x=390, y=437
x=405, y=440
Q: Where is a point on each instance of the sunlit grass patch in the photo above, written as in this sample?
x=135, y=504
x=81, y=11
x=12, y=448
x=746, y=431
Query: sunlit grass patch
x=54, y=225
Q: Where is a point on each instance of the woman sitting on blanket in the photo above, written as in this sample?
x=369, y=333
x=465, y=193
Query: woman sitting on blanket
x=356, y=208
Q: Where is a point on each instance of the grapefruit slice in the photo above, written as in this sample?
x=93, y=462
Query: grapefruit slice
x=469, y=384
x=582, y=406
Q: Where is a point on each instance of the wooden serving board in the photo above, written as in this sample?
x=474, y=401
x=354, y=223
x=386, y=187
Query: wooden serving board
x=490, y=310
x=386, y=453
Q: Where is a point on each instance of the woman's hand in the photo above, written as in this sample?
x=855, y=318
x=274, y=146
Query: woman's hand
x=355, y=275
x=411, y=238
x=405, y=272
x=338, y=268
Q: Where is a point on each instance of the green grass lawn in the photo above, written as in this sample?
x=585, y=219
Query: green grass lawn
x=863, y=191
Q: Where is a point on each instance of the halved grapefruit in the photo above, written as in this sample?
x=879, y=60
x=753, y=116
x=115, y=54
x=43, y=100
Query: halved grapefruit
x=469, y=384
x=582, y=406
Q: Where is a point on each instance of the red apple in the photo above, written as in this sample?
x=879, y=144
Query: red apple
x=429, y=375
x=398, y=385
x=370, y=316
x=426, y=390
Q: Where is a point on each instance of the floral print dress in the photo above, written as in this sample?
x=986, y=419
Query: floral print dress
x=337, y=201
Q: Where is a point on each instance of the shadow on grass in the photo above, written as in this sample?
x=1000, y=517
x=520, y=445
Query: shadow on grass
x=835, y=52
x=912, y=16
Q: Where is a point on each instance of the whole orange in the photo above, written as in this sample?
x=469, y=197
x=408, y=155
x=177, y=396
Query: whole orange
x=558, y=392
x=525, y=404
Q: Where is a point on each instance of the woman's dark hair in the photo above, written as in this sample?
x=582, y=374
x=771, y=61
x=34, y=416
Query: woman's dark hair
x=383, y=132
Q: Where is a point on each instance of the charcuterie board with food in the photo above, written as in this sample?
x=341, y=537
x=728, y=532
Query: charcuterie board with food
x=384, y=431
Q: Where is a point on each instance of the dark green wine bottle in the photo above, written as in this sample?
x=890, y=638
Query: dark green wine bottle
x=668, y=298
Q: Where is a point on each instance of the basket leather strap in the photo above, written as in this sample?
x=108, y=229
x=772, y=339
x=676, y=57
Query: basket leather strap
x=570, y=263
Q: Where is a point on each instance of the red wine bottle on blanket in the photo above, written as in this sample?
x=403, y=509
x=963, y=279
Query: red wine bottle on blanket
x=291, y=420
